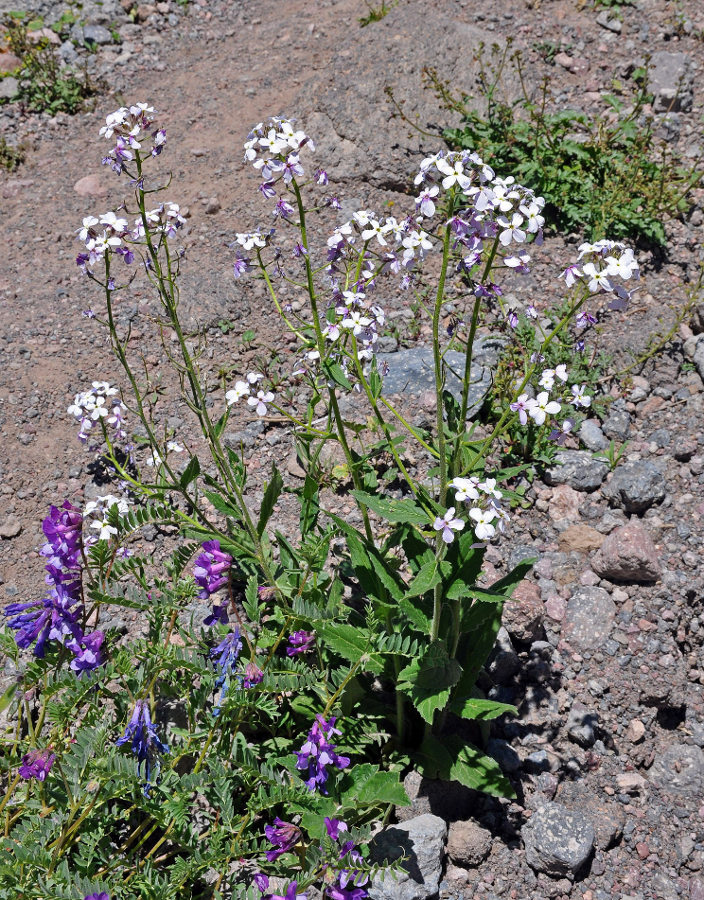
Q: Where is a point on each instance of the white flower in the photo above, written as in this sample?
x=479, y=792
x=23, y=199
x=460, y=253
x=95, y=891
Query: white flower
x=547, y=379
x=519, y=261
x=447, y=524
x=483, y=518
x=512, y=230
x=356, y=321
x=466, y=488
x=543, y=407
x=375, y=229
x=598, y=278
x=260, y=402
x=523, y=406
x=534, y=221
x=250, y=241
x=240, y=390
x=579, y=397
x=454, y=174
x=561, y=372
x=88, y=223
x=254, y=377
x=488, y=486
x=425, y=201
x=626, y=266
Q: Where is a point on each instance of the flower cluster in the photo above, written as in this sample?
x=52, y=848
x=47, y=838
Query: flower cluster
x=274, y=149
x=130, y=127
x=211, y=573
x=318, y=753
x=146, y=745
x=262, y=883
x=300, y=642
x=100, y=509
x=483, y=502
x=603, y=267
x=99, y=404
x=225, y=656
x=110, y=234
x=541, y=406
x=283, y=836
x=259, y=401
x=36, y=764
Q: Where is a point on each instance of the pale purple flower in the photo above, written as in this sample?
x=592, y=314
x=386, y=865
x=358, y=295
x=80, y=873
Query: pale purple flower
x=260, y=402
x=523, y=405
x=580, y=398
x=283, y=836
x=317, y=754
x=448, y=524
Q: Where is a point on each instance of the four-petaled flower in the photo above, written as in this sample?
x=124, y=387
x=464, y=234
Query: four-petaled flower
x=483, y=518
x=448, y=524
x=543, y=407
x=580, y=397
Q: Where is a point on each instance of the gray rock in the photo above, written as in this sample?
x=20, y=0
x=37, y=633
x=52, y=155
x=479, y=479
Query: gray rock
x=352, y=116
x=468, y=844
x=671, y=81
x=503, y=662
x=9, y=88
x=578, y=469
x=580, y=725
x=610, y=23
x=422, y=842
x=591, y=435
x=679, y=771
x=68, y=52
x=635, y=486
x=97, y=34
x=617, y=425
x=558, y=840
x=10, y=527
x=412, y=372
x=589, y=617
x=694, y=347
x=504, y=754
x=607, y=818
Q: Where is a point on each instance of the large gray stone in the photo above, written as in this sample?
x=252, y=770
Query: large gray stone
x=635, y=486
x=422, y=842
x=590, y=615
x=591, y=435
x=9, y=88
x=412, y=371
x=352, y=117
x=607, y=817
x=558, y=840
x=578, y=469
x=679, y=771
x=671, y=81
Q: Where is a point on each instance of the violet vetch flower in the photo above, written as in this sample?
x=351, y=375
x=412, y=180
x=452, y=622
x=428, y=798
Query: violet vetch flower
x=101, y=896
x=225, y=655
x=36, y=764
x=262, y=883
x=317, y=754
x=211, y=573
x=88, y=652
x=300, y=642
x=334, y=827
x=146, y=746
x=350, y=884
x=283, y=836
x=252, y=675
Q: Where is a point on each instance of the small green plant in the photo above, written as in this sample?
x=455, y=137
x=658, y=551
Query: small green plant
x=45, y=86
x=376, y=13
x=612, y=454
x=10, y=157
x=603, y=174
x=249, y=337
x=548, y=50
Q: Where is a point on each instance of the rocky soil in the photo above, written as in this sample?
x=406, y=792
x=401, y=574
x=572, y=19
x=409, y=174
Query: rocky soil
x=602, y=648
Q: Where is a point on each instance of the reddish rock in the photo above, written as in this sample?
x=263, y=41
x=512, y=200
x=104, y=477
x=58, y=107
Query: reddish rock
x=524, y=612
x=581, y=538
x=9, y=62
x=565, y=504
x=628, y=554
x=90, y=186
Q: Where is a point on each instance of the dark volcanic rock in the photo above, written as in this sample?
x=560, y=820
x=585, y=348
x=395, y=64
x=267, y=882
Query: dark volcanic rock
x=558, y=840
x=636, y=486
x=578, y=469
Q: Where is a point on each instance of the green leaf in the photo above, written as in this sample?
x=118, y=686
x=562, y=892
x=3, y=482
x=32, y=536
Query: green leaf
x=271, y=495
x=371, y=787
x=191, y=472
x=310, y=505
x=483, y=710
x=428, y=681
x=335, y=373
x=393, y=510
x=8, y=696
x=376, y=578
x=480, y=625
x=426, y=579
x=352, y=644
x=222, y=505
x=251, y=601
x=452, y=759
x=415, y=615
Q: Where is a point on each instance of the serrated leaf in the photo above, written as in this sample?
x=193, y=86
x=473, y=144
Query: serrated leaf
x=393, y=510
x=352, y=644
x=453, y=759
x=271, y=495
x=426, y=579
x=428, y=681
x=372, y=787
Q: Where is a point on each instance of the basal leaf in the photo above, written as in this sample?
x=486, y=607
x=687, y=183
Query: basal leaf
x=428, y=681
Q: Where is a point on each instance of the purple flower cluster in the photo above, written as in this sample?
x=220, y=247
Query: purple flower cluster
x=300, y=642
x=349, y=884
x=129, y=127
x=317, y=754
x=36, y=764
x=211, y=573
x=146, y=746
x=101, y=896
x=225, y=655
x=56, y=616
x=283, y=836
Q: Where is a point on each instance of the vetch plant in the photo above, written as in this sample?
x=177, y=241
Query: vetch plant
x=241, y=733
